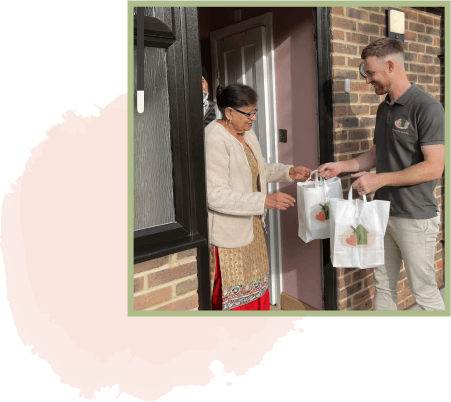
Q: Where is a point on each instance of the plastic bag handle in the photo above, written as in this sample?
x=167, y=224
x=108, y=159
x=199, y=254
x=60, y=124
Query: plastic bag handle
x=350, y=196
x=316, y=178
x=364, y=202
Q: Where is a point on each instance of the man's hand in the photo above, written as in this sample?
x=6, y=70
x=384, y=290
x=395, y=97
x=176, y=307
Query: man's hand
x=367, y=182
x=300, y=173
x=330, y=170
x=279, y=201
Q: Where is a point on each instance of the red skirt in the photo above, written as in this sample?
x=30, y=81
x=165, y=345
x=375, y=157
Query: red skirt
x=262, y=303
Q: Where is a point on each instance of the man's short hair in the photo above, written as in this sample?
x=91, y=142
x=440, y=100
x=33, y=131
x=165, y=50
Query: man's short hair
x=384, y=47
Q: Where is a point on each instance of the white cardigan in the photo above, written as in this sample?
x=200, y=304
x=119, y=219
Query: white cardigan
x=231, y=201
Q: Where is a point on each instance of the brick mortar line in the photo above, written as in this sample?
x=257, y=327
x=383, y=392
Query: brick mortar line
x=344, y=42
x=185, y=260
x=406, y=61
x=337, y=28
x=361, y=290
x=349, y=298
x=173, y=264
x=349, y=141
x=418, y=12
x=357, y=80
x=357, y=55
x=357, y=103
x=354, y=115
x=163, y=285
x=349, y=273
x=336, y=40
x=176, y=299
x=361, y=33
x=353, y=305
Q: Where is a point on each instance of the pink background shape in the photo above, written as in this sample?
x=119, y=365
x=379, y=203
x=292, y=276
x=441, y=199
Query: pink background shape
x=64, y=232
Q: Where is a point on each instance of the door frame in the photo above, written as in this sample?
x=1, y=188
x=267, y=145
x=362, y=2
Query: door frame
x=326, y=139
x=274, y=233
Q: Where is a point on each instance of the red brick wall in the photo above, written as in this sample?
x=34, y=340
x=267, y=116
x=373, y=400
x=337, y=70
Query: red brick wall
x=167, y=283
x=354, y=114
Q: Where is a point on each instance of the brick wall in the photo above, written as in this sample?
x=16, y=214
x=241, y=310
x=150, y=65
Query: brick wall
x=354, y=113
x=167, y=283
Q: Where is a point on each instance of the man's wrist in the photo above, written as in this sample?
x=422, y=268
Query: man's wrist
x=384, y=179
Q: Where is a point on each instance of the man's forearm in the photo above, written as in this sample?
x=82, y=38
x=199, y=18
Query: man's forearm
x=365, y=161
x=416, y=174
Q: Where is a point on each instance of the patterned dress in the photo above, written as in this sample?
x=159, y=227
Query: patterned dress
x=244, y=270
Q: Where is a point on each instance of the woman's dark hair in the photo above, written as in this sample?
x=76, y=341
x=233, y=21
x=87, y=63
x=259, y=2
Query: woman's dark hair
x=235, y=96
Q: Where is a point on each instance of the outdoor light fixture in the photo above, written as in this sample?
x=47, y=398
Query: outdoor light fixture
x=395, y=29
x=396, y=24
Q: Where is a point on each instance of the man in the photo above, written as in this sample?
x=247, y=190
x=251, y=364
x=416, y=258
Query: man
x=209, y=107
x=409, y=156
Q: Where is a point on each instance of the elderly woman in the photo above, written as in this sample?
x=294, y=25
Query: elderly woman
x=237, y=201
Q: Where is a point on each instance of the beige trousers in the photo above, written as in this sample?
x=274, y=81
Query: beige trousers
x=411, y=240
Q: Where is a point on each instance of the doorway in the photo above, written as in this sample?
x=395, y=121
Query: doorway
x=273, y=50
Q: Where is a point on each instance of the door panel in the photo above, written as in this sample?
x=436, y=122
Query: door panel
x=240, y=59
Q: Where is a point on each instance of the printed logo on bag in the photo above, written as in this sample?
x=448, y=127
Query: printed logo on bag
x=357, y=237
x=402, y=124
x=321, y=214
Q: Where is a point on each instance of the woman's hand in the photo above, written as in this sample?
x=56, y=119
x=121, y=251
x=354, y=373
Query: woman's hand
x=279, y=201
x=300, y=173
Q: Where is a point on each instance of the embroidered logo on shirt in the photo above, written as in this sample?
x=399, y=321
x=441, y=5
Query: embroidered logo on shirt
x=403, y=124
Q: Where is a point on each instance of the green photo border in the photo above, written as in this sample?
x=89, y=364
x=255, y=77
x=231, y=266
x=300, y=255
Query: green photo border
x=278, y=313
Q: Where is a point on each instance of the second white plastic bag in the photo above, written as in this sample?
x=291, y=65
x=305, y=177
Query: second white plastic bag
x=357, y=230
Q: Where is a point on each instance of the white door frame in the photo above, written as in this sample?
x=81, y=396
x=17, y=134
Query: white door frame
x=273, y=219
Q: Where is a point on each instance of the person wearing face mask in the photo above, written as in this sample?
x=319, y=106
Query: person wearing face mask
x=209, y=106
x=237, y=202
x=409, y=156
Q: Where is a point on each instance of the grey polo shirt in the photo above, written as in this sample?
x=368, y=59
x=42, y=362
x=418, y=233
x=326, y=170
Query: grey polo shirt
x=416, y=119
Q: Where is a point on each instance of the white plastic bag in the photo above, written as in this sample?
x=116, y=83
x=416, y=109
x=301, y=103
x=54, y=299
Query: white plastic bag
x=313, y=206
x=357, y=230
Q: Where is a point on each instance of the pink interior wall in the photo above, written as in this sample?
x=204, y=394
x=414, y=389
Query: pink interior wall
x=294, y=55
x=295, y=75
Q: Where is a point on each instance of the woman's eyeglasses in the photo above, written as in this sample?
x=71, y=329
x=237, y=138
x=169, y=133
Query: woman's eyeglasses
x=249, y=115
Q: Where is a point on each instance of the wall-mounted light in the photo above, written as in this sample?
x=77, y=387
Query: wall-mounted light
x=396, y=24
